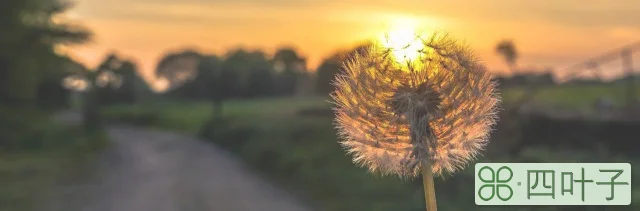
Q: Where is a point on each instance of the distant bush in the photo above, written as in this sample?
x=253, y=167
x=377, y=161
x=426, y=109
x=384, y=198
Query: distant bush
x=223, y=132
x=585, y=134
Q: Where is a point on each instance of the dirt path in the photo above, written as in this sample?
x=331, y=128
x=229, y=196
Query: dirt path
x=147, y=170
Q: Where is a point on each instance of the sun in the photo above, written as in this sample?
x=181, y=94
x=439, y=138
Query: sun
x=403, y=40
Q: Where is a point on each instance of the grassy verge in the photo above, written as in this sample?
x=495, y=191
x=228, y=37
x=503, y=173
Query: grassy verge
x=189, y=117
x=28, y=176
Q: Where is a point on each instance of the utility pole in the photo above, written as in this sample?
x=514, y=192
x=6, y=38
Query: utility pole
x=627, y=65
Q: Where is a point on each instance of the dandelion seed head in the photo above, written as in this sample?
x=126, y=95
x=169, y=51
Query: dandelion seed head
x=444, y=93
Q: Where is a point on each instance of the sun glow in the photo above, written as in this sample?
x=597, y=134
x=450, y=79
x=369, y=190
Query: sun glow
x=403, y=40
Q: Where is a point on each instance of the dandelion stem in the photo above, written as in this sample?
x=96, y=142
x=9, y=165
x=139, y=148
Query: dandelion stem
x=429, y=186
x=421, y=134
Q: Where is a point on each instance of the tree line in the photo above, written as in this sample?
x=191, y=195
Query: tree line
x=242, y=73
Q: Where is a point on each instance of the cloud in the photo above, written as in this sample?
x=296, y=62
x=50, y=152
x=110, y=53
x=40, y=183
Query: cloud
x=196, y=11
x=571, y=13
x=100, y=4
x=238, y=2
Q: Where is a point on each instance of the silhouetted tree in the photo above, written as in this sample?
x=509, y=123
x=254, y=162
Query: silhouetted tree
x=178, y=68
x=209, y=83
x=326, y=73
x=126, y=92
x=27, y=56
x=239, y=74
x=507, y=50
x=204, y=85
x=97, y=87
x=125, y=72
x=289, y=66
x=104, y=95
x=260, y=80
x=238, y=68
x=26, y=45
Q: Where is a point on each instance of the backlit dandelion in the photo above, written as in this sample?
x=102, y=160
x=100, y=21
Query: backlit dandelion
x=431, y=114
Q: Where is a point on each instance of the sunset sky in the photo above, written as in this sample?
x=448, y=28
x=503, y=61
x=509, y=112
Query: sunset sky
x=554, y=33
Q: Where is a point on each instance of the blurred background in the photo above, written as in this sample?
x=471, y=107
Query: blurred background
x=131, y=104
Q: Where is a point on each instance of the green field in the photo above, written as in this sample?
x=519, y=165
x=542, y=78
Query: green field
x=301, y=152
x=189, y=116
x=579, y=97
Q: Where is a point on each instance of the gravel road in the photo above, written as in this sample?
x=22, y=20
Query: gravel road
x=149, y=170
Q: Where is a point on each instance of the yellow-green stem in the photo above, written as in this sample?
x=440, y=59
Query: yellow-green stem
x=420, y=134
x=429, y=186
